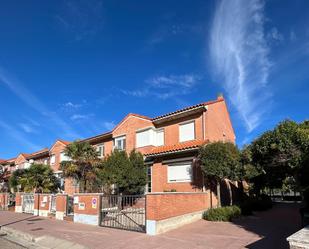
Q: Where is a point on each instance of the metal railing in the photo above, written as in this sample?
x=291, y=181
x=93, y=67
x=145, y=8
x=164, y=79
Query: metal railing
x=70, y=206
x=28, y=203
x=124, y=212
x=52, y=204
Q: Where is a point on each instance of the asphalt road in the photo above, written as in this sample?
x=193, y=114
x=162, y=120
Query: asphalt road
x=5, y=244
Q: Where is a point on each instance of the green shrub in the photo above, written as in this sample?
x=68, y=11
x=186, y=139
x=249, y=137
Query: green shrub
x=222, y=214
x=260, y=203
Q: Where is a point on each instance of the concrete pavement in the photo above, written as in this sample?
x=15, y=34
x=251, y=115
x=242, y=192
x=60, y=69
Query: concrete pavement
x=264, y=230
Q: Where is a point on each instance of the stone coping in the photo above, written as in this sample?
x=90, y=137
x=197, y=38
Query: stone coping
x=177, y=193
x=301, y=237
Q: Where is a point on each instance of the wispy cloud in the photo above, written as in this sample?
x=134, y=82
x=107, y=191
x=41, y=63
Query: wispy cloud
x=82, y=19
x=30, y=99
x=240, y=56
x=109, y=125
x=28, y=128
x=18, y=136
x=275, y=35
x=75, y=117
x=166, y=86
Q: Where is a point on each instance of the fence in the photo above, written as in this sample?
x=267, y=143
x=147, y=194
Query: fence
x=153, y=213
x=124, y=212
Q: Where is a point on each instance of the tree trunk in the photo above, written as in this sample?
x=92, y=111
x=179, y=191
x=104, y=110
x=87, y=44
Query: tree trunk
x=230, y=192
x=219, y=193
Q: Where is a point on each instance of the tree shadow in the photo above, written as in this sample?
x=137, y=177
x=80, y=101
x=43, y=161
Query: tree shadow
x=273, y=226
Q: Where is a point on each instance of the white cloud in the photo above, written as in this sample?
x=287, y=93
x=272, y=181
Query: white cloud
x=166, y=86
x=274, y=34
x=239, y=54
x=27, y=128
x=81, y=116
x=71, y=105
x=30, y=99
x=18, y=136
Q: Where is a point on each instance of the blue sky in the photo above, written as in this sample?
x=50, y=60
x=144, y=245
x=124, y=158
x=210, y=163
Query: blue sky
x=73, y=69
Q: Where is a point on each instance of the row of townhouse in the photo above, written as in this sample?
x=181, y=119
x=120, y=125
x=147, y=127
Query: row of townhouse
x=169, y=143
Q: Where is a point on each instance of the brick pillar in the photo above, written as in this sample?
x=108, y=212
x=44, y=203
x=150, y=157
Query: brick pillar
x=61, y=206
x=41, y=204
x=87, y=208
x=18, y=203
x=3, y=201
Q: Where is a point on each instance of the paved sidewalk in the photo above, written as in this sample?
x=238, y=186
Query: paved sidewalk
x=264, y=230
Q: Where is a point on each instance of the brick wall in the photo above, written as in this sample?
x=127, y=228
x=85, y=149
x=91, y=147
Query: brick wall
x=167, y=205
x=218, y=124
x=128, y=127
x=86, y=199
x=56, y=150
x=160, y=180
x=3, y=201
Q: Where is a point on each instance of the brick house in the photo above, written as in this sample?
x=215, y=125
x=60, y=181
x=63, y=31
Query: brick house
x=168, y=142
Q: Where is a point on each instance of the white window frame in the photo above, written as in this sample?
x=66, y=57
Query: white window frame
x=98, y=150
x=179, y=164
x=52, y=162
x=153, y=137
x=186, y=123
x=122, y=137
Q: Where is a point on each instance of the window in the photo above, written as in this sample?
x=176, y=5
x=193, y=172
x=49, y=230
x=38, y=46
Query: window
x=52, y=159
x=64, y=157
x=45, y=161
x=150, y=136
x=186, y=131
x=143, y=138
x=120, y=143
x=180, y=172
x=159, y=138
x=148, y=187
x=100, y=150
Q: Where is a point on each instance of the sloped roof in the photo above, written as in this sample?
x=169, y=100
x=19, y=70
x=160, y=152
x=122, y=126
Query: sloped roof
x=167, y=149
x=188, y=108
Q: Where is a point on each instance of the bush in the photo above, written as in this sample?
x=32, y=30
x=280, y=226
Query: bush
x=260, y=203
x=222, y=214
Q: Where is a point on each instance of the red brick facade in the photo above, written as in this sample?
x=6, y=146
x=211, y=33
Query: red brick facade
x=211, y=123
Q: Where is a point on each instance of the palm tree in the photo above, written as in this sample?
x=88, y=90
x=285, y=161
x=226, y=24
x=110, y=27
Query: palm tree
x=82, y=164
x=39, y=178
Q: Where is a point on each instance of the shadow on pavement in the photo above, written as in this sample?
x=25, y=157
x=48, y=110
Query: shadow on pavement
x=273, y=226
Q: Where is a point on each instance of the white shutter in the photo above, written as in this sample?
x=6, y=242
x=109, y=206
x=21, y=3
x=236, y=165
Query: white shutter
x=159, y=139
x=143, y=138
x=186, y=132
x=52, y=159
x=179, y=172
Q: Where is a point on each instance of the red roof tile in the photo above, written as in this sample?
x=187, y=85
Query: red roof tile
x=64, y=142
x=176, y=147
x=189, y=108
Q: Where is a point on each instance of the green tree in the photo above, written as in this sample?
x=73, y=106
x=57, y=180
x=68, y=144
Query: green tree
x=220, y=161
x=14, y=180
x=127, y=173
x=281, y=152
x=82, y=165
x=39, y=178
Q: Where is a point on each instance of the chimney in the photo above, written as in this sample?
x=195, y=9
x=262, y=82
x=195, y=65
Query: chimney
x=220, y=96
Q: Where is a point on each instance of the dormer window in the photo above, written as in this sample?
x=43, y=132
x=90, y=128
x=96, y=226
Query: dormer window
x=120, y=143
x=187, y=131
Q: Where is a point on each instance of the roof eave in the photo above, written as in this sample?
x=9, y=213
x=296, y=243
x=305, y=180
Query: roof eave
x=171, y=152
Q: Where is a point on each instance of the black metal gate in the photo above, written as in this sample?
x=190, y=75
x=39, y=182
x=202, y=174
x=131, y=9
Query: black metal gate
x=124, y=212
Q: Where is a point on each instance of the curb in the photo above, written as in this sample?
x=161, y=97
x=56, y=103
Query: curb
x=43, y=242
